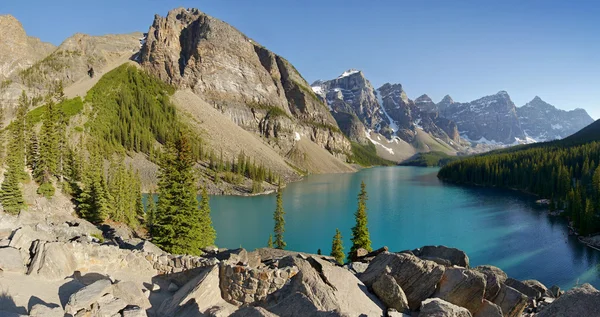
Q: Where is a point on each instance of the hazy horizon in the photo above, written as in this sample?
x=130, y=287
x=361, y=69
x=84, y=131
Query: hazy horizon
x=463, y=49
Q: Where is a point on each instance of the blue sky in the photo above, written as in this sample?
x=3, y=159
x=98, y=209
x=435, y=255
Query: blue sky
x=467, y=49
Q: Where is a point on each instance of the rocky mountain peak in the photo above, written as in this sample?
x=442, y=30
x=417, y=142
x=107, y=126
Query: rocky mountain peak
x=350, y=72
x=424, y=103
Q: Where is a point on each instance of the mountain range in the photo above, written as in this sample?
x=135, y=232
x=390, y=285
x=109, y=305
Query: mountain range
x=491, y=120
x=241, y=97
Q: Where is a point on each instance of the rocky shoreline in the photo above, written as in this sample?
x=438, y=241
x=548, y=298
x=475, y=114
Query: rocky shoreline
x=57, y=265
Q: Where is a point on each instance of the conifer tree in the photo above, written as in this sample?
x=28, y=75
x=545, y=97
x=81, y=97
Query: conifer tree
x=177, y=227
x=270, y=242
x=337, y=249
x=279, y=221
x=150, y=213
x=11, y=195
x=360, y=233
x=94, y=200
x=208, y=232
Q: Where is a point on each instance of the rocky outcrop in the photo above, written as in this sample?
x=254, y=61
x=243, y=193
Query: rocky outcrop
x=579, y=301
x=390, y=293
x=417, y=278
x=435, y=307
x=542, y=121
x=511, y=301
x=259, y=90
x=494, y=278
x=321, y=286
x=523, y=288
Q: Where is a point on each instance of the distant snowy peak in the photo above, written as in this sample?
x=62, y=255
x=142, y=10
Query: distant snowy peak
x=426, y=104
x=544, y=122
x=349, y=72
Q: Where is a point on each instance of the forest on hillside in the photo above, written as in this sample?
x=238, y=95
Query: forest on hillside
x=567, y=172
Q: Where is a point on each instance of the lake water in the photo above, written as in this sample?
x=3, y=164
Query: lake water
x=408, y=208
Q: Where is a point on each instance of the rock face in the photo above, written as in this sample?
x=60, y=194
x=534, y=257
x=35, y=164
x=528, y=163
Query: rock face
x=492, y=118
x=417, y=278
x=260, y=91
x=544, y=122
x=320, y=287
x=435, y=307
x=511, y=301
x=17, y=50
x=390, y=293
x=11, y=261
x=495, y=119
x=494, y=278
x=462, y=287
x=523, y=288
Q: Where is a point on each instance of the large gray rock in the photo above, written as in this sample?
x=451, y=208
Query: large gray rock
x=523, y=288
x=11, y=260
x=538, y=286
x=462, y=287
x=435, y=307
x=494, y=277
x=87, y=296
x=203, y=290
x=580, y=301
x=319, y=287
x=488, y=309
x=452, y=255
x=250, y=311
x=417, y=278
x=390, y=293
x=109, y=306
x=55, y=261
x=511, y=301
x=131, y=293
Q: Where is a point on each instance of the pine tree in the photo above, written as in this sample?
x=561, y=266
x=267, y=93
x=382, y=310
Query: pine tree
x=11, y=195
x=94, y=201
x=208, y=232
x=279, y=221
x=270, y=242
x=150, y=213
x=337, y=249
x=177, y=227
x=360, y=232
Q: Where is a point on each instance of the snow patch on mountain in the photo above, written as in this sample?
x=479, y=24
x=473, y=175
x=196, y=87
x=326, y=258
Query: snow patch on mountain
x=393, y=124
x=348, y=73
x=368, y=136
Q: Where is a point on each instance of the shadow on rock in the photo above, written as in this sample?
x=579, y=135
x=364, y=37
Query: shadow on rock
x=34, y=300
x=8, y=305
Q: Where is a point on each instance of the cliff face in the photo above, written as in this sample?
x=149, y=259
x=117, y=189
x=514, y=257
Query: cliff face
x=543, y=122
x=491, y=118
x=259, y=90
x=17, y=50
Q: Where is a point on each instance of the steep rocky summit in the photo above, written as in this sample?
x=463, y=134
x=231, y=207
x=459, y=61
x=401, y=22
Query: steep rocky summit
x=258, y=89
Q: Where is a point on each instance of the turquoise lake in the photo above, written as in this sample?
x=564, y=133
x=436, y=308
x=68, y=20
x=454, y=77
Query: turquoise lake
x=409, y=207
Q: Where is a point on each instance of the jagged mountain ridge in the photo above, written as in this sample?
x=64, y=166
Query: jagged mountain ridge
x=496, y=120
x=362, y=111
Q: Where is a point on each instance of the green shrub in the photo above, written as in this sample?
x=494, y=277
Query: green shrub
x=46, y=189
